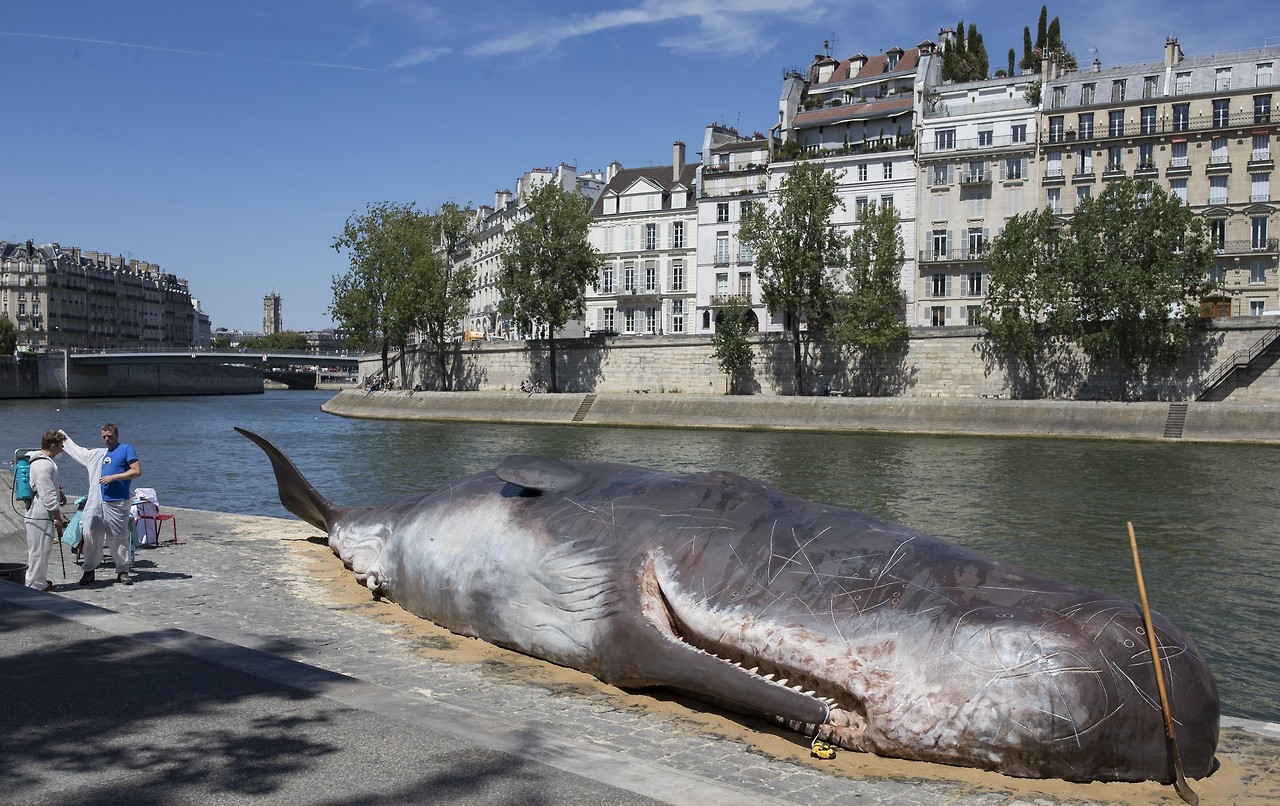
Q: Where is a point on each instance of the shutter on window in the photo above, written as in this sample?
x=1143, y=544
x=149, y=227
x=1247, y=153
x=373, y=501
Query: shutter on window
x=948, y=286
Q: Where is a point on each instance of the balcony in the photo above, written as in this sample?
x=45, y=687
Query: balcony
x=1218, y=164
x=974, y=178
x=731, y=299
x=1053, y=176
x=950, y=147
x=1164, y=125
x=962, y=255
x=1247, y=247
x=641, y=295
x=1113, y=170
x=1260, y=160
x=1146, y=169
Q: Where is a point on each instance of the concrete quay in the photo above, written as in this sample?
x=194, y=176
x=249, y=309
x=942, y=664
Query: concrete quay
x=246, y=664
x=1204, y=422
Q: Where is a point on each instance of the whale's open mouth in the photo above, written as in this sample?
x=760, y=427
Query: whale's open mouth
x=777, y=676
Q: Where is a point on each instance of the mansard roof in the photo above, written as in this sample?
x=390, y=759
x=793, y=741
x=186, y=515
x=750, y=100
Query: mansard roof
x=884, y=108
x=659, y=175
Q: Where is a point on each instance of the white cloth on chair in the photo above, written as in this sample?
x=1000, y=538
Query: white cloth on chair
x=145, y=508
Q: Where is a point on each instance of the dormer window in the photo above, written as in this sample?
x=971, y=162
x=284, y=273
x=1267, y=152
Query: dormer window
x=892, y=62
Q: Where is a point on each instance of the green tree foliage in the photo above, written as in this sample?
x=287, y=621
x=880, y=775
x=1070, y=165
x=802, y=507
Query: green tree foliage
x=795, y=244
x=1042, y=29
x=442, y=294
x=1010, y=70
x=1123, y=279
x=869, y=311
x=220, y=342
x=8, y=336
x=1025, y=288
x=399, y=281
x=1029, y=62
x=283, y=340
x=966, y=59
x=548, y=263
x=1138, y=263
x=730, y=345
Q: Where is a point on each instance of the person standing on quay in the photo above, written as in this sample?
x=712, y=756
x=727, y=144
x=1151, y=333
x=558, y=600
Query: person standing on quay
x=44, y=514
x=106, y=512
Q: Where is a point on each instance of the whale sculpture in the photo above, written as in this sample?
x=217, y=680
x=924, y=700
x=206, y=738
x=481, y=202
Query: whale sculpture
x=871, y=635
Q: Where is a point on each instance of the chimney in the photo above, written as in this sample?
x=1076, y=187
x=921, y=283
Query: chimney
x=1097, y=65
x=612, y=171
x=500, y=199
x=1172, y=52
x=677, y=161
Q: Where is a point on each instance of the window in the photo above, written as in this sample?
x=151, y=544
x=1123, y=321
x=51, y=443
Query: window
x=629, y=320
x=973, y=315
x=975, y=284
x=1221, y=112
x=944, y=139
x=1015, y=168
x=940, y=175
x=886, y=201
x=860, y=207
x=1181, y=117
x=722, y=285
x=1083, y=192
x=1218, y=233
x=1263, y=74
x=22, y=309
x=1256, y=307
x=1222, y=79
x=677, y=316
x=677, y=275
x=650, y=237
x=606, y=280
x=888, y=170
x=1146, y=156
x=1217, y=190
x=938, y=285
x=977, y=200
x=977, y=245
x=1084, y=161
x=862, y=173
x=1059, y=97
x=1054, y=164
x=628, y=239
x=628, y=276
x=1086, y=93
x=1218, y=151
x=650, y=320
x=939, y=245
x=1115, y=123
x=1257, y=235
x=1178, y=154
x=1018, y=133
x=976, y=172
x=1013, y=200
x=1086, y=125
x=651, y=276
x=722, y=249
x=1053, y=199
x=1261, y=148
x=1115, y=159
x=677, y=235
x=1178, y=187
x=1148, y=117
x=722, y=212
x=985, y=137
x=1150, y=85
x=1117, y=90
x=938, y=316
x=744, y=252
x=1182, y=82
x=1055, y=129
x=1262, y=109
x=744, y=285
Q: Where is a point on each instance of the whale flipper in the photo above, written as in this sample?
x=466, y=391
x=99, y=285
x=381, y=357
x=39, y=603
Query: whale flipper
x=296, y=493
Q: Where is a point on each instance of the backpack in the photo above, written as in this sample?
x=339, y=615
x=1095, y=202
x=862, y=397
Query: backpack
x=22, y=489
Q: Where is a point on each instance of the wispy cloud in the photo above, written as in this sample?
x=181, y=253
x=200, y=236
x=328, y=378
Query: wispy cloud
x=184, y=51
x=420, y=56
x=724, y=26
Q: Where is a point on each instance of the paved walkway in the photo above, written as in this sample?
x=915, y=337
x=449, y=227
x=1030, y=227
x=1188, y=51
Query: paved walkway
x=229, y=672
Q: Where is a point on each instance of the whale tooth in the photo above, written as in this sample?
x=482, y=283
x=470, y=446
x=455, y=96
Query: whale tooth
x=754, y=670
x=784, y=681
x=768, y=677
x=810, y=693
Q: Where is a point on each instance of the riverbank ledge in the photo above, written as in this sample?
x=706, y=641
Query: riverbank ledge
x=1190, y=422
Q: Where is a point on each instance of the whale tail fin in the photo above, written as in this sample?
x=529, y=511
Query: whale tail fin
x=296, y=493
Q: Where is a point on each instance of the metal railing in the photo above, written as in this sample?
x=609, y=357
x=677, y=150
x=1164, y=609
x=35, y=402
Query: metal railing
x=1238, y=359
x=1164, y=125
x=947, y=255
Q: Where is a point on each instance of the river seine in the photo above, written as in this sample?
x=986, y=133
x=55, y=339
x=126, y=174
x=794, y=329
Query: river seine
x=1207, y=516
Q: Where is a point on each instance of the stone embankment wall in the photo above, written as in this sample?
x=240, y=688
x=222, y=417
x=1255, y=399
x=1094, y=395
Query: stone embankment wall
x=1211, y=422
x=50, y=376
x=935, y=363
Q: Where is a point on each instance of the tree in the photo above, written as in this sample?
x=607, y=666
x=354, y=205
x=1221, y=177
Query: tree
x=1028, y=52
x=1025, y=288
x=795, y=243
x=280, y=340
x=8, y=336
x=547, y=264
x=730, y=346
x=869, y=312
x=966, y=59
x=441, y=292
x=1138, y=263
x=1010, y=70
x=398, y=280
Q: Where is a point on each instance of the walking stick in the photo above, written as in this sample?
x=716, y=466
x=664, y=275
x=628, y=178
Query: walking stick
x=1180, y=781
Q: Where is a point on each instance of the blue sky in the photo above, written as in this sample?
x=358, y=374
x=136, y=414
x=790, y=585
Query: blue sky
x=228, y=141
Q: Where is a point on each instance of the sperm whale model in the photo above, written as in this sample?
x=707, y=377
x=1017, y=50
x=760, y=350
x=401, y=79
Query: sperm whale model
x=871, y=635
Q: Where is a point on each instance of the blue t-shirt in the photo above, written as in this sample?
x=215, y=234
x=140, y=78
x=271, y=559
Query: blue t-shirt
x=117, y=461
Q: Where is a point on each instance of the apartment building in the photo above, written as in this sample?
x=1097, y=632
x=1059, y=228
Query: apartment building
x=73, y=299
x=1200, y=127
x=733, y=176
x=644, y=224
x=857, y=116
x=975, y=152
x=490, y=229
